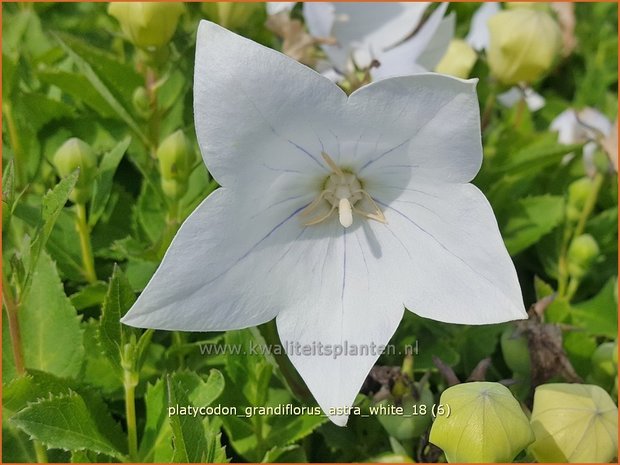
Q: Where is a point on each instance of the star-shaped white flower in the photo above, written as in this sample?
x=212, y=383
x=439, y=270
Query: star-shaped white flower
x=335, y=213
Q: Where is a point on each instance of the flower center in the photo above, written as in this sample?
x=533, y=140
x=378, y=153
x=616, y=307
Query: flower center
x=342, y=191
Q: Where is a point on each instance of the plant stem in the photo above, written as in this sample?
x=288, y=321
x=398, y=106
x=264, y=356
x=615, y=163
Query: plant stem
x=18, y=158
x=87, y=253
x=12, y=308
x=589, y=205
x=568, y=288
x=489, y=105
x=40, y=452
x=130, y=383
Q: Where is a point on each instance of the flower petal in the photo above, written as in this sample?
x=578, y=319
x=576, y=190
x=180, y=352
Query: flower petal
x=478, y=36
x=214, y=274
x=432, y=123
x=454, y=265
x=430, y=43
x=248, y=103
x=362, y=29
x=351, y=309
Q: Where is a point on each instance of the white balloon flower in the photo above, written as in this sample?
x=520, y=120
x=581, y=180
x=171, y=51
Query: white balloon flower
x=335, y=214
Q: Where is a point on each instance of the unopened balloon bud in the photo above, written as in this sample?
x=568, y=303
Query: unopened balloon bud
x=523, y=45
x=74, y=154
x=485, y=424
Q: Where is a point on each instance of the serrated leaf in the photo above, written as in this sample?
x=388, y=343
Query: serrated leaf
x=103, y=181
x=38, y=385
x=91, y=295
x=156, y=443
x=188, y=434
x=119, y=298
x=64, y=422
x=52, y=204
x=50, y=328
x=536, y=156
x=532, y=218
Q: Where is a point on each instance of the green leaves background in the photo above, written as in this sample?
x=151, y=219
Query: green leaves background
x=78, y=386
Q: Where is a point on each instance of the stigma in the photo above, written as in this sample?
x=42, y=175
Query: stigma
x=342, y=191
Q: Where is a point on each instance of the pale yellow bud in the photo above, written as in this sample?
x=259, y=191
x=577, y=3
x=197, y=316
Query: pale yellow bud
x=574, y=423
x=232, y=15
x=523, y=46
x=459, y=59
x=74, y=154
x=148, y=25
x=485, y=424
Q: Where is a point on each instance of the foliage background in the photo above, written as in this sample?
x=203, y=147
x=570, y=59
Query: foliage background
x=68, y=72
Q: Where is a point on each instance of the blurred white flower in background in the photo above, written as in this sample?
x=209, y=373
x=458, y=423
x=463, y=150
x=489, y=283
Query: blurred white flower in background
x=335, y=213
x=389, y=32
x=588, y=126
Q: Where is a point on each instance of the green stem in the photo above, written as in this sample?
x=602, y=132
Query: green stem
x=18, y=158
x=589, y=205
x=573, y=285
x=40, y=452
x=87, y=253
x=12, y=308
x=177, y=342
x=568, y=288
x=489, y=105
x=130, y=383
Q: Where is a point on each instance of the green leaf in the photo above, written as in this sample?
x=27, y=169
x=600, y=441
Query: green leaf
x=64, y=422
x=78, y=87
x=599, y=315
x=120, y=77
x=188, y=434
x=544, y=152
x=91, y=295
x=119, y=298
x=52, y=204
x=38, y=385
x=97, y=370
x=532, y=218
x=103, y=90
x=286, y=454
x=50, y=328
x=103, y=182
x=156, y=443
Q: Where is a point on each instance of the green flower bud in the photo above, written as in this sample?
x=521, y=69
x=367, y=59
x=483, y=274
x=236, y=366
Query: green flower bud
x=582, y=253
x=458, y=60
x=232, y=15
x=604, y=368
x=574, y=423
x=523, y=45
x=175, y=157
x=74, y=154
x=140, y=100
x=485, y=424
x=148, y=25
x=415, y=419
x=578, y=193
x=516, y=351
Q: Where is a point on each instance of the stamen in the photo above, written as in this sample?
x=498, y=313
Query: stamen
x=342, y=190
